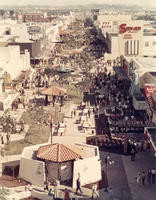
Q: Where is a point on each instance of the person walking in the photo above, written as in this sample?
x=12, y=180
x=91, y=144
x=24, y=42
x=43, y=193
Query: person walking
x=46, y=185
x=149, y=175
x=143, y=177
x=66, y=194
x=57, y=183
x=74, y=113
x=94, y=191
x=138, y=179
x=110, y=193
x=153, y=172
x=133, y=154
x=78, y=185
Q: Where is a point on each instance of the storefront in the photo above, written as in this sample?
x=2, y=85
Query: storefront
x=127, y=40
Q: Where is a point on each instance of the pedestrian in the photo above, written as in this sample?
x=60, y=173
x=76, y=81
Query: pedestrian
x=153, y=172
x=50, y=193
x=8, y=138
x=133, y=154
x=78, y=185
x=46, y=185
x=74, y=113
x=138, y=179
x=66, y=194
x=57, y=183
x=94, y=190
x=71, y=114
x=89, y=113
x=2, y=139
x=110, y=190
x=143, y=177
x=149, y=175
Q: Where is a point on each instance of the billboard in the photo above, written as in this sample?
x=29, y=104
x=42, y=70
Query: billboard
x=34, y=29
x=148, y=91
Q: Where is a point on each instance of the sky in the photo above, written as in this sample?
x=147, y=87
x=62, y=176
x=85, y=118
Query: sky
x=146, y=3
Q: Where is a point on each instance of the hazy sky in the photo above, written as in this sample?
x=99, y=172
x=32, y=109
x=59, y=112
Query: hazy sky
x=151, y=3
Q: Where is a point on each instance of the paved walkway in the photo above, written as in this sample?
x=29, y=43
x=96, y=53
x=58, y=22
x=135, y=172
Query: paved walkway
x=121, y=175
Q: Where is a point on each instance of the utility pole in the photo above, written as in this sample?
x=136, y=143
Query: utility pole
x=51, y=128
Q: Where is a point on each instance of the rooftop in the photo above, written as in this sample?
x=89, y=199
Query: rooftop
x=59, y=152
x=147, y=62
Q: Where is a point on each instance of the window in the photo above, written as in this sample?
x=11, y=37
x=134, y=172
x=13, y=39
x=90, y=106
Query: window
x=154, y=43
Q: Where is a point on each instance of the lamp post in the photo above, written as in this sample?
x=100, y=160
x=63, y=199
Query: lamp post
x=51, y=127
x=108, y=161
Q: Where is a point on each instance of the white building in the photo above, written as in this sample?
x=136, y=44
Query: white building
x=58, y=165
x=127, y=37
x=12, y=61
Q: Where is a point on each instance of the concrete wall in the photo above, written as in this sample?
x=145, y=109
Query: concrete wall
x=32, y=171
x=88, y=150
x=115, y=45
x=20, y=195
x=149, y=45
x=89, y=170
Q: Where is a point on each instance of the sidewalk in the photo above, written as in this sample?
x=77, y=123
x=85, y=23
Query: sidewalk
x=144, y=161
x=72, y=132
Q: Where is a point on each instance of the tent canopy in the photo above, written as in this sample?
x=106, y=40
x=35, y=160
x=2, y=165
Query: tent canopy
x=54, y=91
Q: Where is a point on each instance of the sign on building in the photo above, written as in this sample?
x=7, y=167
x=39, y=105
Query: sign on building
x=34, y=29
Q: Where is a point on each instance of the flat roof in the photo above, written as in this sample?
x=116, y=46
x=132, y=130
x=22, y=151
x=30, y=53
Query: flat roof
x=147, y=62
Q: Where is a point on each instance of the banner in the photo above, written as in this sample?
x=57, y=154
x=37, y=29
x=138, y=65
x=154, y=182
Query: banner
x=149, y=90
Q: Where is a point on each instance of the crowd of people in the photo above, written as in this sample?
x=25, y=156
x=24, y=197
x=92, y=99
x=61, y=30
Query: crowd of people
x=146, y=177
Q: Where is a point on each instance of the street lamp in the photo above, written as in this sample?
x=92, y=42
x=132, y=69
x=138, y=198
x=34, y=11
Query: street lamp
x=51, y=127
x=109, y=161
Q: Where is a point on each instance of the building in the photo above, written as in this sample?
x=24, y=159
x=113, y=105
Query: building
x=109, y=23
x=127, y=40
x=12, y=61
x=33, y=17
x=124, y=36
x=63, y=162
x=142, y=73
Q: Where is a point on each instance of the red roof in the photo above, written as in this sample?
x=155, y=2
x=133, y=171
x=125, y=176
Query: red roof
x=59, y=152
x=54, y=90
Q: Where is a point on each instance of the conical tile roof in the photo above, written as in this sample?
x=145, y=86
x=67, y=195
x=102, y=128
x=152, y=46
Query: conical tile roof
x=59, y=152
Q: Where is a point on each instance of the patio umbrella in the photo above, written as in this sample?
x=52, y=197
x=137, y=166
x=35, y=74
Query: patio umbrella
x=54, y=91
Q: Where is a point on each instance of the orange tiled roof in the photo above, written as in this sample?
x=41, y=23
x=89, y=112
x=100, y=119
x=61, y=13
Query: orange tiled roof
x=54, y=90
x=59, y=152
